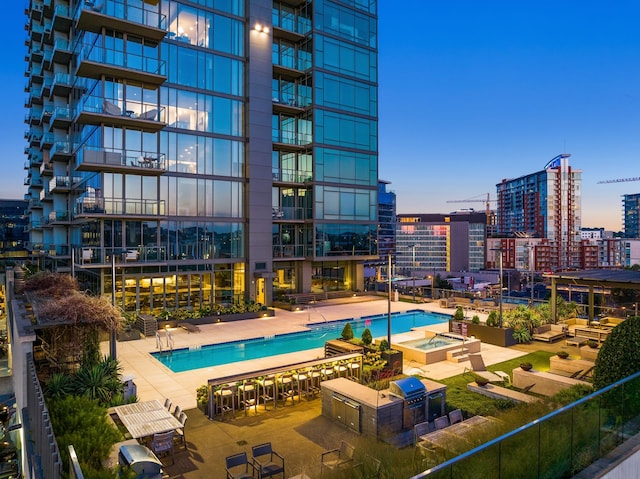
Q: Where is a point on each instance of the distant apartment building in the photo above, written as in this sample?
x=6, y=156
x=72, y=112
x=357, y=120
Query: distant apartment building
x=386, y=220
x=207, y=152
x=13, y=231
x=432, y=243
x=545, y=204
x=631, y=210
x=630, y=252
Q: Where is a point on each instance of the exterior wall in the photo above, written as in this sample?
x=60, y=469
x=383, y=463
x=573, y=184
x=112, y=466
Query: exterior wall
x=631, y=212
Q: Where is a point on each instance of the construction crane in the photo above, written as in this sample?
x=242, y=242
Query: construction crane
x=619, y=180
x=478, y=200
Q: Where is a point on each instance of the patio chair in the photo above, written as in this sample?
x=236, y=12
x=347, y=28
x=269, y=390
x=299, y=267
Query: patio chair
x=339, y=458
x=267, y=462
x=111, y=108
x=162, y=443
x=167, y=404
x=180, y=437
x=478, y=367
x=420, y=430
x=177, y=411
x=369, y=468
x=237, y=467
x=149, y=115
x=441, y=422
x=455, y=416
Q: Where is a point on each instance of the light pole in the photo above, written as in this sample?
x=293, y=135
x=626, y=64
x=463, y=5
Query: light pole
x=413, y=270
x=636, y=306
x=499, y=250
x=389, y=302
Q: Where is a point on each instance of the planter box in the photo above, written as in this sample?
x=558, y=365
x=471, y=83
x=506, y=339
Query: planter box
x=394, y=360
x=487, y=334
x=218, y=318
x=130, y=335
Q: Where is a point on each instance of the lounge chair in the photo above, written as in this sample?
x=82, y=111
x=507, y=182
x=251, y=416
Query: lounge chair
x=191, y=328
x=478, y=367
x=111, y=108
x=149, y=115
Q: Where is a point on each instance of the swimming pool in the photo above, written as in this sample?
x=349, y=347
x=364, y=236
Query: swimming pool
x=187, y=359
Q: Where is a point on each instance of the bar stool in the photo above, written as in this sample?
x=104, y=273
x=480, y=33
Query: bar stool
x=341, y=370
x=285, y=388
x=302, y=385
x=247, y=396
x=267, y=388
x=224, y=401
x=327, y=372
x=314, y=382
x=354, y=370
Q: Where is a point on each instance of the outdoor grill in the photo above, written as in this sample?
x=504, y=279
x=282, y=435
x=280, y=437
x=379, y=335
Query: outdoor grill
x=414, y=395
x=141, y=460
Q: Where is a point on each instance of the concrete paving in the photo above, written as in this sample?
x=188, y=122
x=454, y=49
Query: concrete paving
x=299, y=432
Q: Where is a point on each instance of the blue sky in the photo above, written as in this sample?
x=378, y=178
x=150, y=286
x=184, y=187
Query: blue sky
x=470, y=93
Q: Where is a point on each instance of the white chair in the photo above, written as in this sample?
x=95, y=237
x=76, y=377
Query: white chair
x=162, y=443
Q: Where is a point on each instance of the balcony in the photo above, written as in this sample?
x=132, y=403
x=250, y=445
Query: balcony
x=97, y=110
x=62, y=184
x=61, y=150
x=35, y=203
x=95, y=256
x=290, y=63
x=61, y=51
x=289, y=25
x=121, y=161
x=35, y=97
x=61, y=18
x=58, y=218
x=92, y=15
x=35, y=12
x=288, y=251
x=47, y=140
x=291, y=176
x=37, y=55
x=289, y=140
x=34, y=117
x=46, y=169
x=61, y=84
x=134, y=209
x=290, y=213
x=95, y=62
x=61, y=117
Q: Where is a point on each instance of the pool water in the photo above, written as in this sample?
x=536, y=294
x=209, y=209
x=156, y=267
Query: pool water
x=430, y=343
x=187, y=359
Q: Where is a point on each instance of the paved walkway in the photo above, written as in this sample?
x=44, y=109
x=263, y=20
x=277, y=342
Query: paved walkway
x=156, y=381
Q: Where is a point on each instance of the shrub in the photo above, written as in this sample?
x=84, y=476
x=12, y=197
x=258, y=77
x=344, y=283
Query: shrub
x=492, y=319
x=347, y=332
x=475, y=319
x=366, y=337
x=619, y=355
x=459, y=314
x=563, y=354
x=383, y=346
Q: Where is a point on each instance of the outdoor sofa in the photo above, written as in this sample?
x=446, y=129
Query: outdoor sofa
x=549, y=332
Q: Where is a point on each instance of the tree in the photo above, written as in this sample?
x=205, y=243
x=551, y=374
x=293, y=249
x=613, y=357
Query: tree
x=366, y=337
x=619, y=355
x=347, y=332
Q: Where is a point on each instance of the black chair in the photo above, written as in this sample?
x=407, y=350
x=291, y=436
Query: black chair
x=237, y=467
x=266, y=461
x=339, y=458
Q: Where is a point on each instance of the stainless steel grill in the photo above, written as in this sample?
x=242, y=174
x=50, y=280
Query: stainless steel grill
x=414, y=395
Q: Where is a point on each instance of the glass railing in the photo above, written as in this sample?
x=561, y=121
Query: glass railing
x=123, y=10
x=291, y=176
x=61, y=148
x=290, y=59
x=289, y=213
x=54, y=216
x=288, y=251
x=291, y=22
x=97, y=54
x=119, y=157
x=61, y=11
x=559, y=444
x=61, y=113
x=289, y=99
x=105, y=255
x=115, y=107
x=291, y=138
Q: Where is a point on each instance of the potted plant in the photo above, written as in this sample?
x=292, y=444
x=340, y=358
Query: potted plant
x=592, y=343
x=480, y=381
x=526, y=366
x=563, y=354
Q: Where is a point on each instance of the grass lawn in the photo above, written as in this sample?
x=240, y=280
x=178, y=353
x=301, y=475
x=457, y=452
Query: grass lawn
x=459, y=397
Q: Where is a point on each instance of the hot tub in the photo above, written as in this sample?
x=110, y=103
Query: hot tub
x=433, y=349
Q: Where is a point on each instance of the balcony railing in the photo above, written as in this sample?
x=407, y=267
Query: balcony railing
x=290, y=213
x=288, y=251
x=291, y=137
x=57, y=216
x=122, y=13
x=291, y=22
x=94, y=61
x=95, y=255
x=119, y=207
x=98, y=159
x=291, y=176
x=98, y=110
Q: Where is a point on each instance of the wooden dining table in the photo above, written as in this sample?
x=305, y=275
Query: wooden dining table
x=146, y=418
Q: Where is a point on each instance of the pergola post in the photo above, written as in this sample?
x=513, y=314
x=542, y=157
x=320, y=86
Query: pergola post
x=554, y=304
x=591, y=304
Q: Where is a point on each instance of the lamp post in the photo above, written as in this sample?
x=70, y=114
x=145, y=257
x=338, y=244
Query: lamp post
x=413, y=270
x=636, y=306
x=389, y=302
x=499, y=250
x=112, y=335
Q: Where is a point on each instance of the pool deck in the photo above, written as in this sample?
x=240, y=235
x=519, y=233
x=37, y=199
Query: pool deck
x=156, y=381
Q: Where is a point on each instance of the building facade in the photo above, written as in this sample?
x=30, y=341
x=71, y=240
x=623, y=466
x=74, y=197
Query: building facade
x=203, y=152
x=431, y=243
x=545, y=204
x=13, y=232
x=631, y=212
x=386, y=220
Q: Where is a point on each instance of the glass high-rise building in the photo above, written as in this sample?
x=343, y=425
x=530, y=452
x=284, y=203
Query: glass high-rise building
x=631, y=209
x=205, y=151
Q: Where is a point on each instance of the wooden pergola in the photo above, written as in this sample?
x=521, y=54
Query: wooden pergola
x=596, y=278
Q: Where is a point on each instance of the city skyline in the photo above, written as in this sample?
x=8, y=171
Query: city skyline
x=469, y=96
